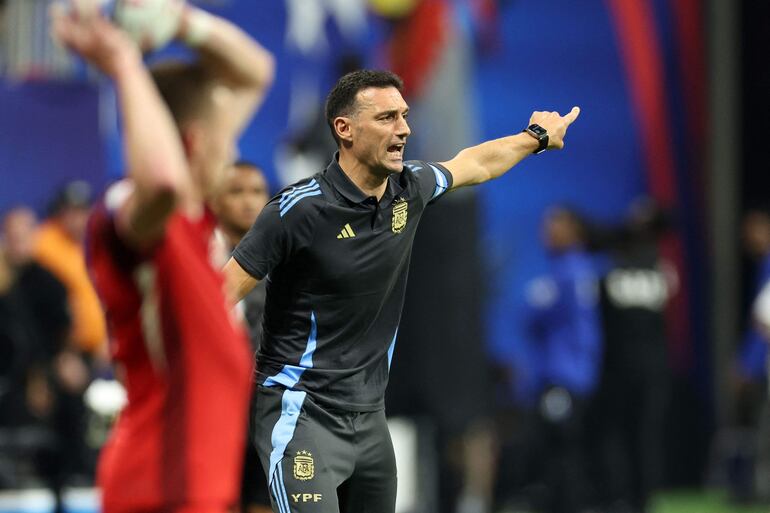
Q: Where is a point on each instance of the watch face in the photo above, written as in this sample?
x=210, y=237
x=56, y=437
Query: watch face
x=537, y=129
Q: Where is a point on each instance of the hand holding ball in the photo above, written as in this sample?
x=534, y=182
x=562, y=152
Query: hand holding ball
x=150, y=23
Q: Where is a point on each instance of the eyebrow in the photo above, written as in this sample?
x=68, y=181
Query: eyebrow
x=391, y=111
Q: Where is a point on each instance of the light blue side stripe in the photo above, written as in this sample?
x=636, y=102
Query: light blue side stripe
x=441, y=181
x=288, y=377
x=283, y=490
x=286, y=196
x=310, y=192
x=290, y=374
x=312, y=340
x=391, y=349
x=283, y=431
x=277, y=495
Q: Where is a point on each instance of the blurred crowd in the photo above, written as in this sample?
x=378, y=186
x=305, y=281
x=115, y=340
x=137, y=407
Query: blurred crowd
x=591, y=437
x=593, y=431
x=53, y=343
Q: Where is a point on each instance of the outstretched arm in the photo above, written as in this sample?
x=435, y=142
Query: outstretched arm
x=154, y=154
x=237, y=60
x=491, y=159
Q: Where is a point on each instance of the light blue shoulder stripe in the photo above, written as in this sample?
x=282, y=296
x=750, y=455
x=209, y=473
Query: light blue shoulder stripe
x=306, y=194
x=441, y=182
x=413, y=166
x=286, y=196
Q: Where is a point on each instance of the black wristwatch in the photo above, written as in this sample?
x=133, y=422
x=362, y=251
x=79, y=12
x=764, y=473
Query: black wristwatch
x=539, y=133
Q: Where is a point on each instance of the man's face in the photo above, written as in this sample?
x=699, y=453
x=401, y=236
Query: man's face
x=559, y=231
x=756, y=234
x=19, y=235
x=242, y=198
x=379, y=129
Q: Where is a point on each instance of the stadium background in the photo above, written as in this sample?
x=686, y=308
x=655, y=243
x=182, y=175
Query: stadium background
x=659, y=117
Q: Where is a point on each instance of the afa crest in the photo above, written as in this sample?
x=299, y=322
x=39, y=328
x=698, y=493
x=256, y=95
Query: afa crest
x=304, y=466
x=400, y=213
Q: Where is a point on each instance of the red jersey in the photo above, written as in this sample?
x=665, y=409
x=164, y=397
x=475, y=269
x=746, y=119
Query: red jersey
x=179, y=440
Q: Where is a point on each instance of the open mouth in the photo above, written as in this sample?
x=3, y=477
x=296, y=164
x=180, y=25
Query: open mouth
x=396, y=150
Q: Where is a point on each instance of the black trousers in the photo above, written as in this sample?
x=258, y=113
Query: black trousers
x=320, y=460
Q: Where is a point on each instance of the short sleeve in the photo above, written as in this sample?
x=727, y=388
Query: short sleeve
x=433, y=179
x=102, y=232
x=265, y=245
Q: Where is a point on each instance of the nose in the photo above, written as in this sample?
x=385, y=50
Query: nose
x=403, y=130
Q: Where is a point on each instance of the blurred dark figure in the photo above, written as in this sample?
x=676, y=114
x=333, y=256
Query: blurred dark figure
x=44, y=403
x=565, y=326
x=41, y=291
x=631, y=408
x=751, y=366
x=309, y=144
x=243, y=195
x=749, y=467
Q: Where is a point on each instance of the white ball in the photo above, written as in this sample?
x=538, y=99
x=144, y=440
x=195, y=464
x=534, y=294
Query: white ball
x=151, y=23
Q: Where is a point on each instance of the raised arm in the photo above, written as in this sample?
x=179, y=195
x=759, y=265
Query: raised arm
x=491, y=159
x=154, y=154
x=241, y=63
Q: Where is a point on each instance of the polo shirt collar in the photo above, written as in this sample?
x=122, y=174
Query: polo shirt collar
x=349, y=190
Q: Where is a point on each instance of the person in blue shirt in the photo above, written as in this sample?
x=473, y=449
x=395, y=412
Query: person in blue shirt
x=564, y=322
x=750, y=378
x=752, y=357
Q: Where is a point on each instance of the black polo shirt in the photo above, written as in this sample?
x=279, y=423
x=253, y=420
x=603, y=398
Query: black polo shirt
x=336, y=263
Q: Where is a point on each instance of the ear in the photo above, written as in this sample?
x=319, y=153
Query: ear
x=343, y=128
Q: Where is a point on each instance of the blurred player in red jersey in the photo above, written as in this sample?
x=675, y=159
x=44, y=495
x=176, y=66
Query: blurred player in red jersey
x=178, y=443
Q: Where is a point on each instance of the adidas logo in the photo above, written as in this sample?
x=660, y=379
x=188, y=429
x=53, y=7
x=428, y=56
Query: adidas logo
x=346, y=233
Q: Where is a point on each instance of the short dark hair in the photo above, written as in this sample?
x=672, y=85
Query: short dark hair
x=184, y=87
x=253, y=167
x=74, y=194
x=575, y=217
x=240, y=164
x=342, y=97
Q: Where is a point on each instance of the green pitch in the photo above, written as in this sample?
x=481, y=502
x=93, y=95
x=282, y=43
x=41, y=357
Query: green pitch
x=700, y=502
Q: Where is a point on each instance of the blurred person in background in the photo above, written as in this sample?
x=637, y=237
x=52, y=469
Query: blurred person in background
x=51, y=374
x=633, y=396
x=41, y=288
x=59, y=248
x=178, y=443
x=564, y=321
x=243, y=195
x=749, y=482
